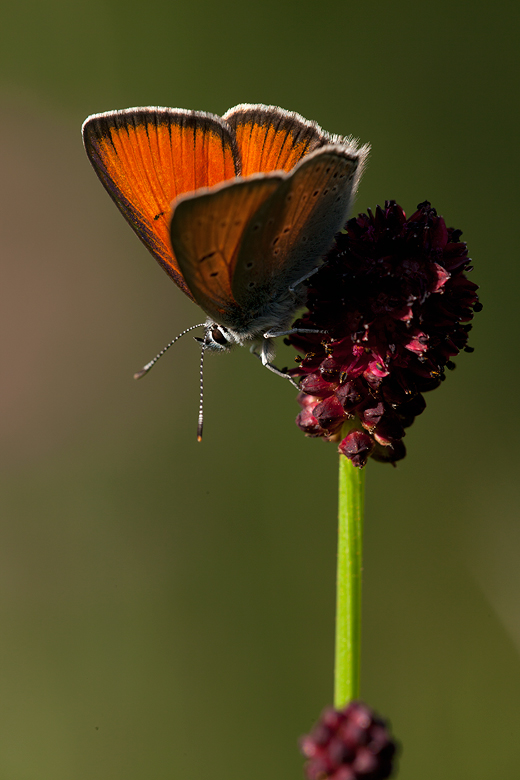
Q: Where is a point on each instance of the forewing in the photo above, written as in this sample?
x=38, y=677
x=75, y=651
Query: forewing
x=206, y=233
x=147, y=157
x=295, y=227
x=271, y=139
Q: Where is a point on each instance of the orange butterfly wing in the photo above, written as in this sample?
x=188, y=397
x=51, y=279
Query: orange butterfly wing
x=295, y=227
x=272, y=139
x=147, y=157
x=206, y=233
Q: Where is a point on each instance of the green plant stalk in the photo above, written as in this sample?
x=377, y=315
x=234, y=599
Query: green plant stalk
x=348, y=592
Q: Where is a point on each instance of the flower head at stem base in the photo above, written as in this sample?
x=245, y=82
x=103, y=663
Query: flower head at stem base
x=349, y=744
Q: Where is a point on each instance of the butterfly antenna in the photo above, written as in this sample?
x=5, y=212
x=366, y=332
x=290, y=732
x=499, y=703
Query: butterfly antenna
x=201, y=398
x=152, y=363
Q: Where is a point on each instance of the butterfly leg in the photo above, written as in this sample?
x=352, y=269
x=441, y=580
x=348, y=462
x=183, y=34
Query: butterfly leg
x=271, y=334
x=282, y=374
x=295, y=284
x=264, y=356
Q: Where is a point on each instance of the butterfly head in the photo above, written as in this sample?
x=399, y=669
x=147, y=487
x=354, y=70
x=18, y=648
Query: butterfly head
x=217, y=338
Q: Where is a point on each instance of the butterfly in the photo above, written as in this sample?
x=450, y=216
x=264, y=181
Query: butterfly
x=239, y=210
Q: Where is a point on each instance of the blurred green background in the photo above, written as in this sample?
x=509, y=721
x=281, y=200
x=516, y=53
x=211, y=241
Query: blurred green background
x=166, y=608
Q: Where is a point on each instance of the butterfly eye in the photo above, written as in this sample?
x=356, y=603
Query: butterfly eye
x=218, y=337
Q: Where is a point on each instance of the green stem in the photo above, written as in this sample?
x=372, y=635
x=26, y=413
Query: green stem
x=348, y=593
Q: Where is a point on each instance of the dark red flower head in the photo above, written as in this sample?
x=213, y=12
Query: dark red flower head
x=395, y=302
x=349, y=744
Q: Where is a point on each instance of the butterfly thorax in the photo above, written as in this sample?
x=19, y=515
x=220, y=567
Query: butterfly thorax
x=274, y=313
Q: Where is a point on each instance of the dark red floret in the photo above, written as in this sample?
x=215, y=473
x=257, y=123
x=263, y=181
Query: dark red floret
x=395, y=301
x=349, y=744
x=357, y=446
